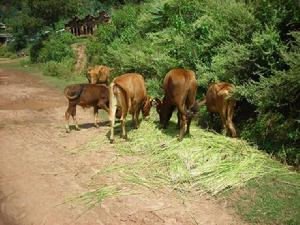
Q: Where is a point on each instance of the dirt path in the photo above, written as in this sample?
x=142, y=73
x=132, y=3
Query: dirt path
x=79, y=49
x=38, y=173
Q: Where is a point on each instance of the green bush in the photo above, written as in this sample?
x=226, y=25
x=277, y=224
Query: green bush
x=63, y=69
x=6, y=53
x=35, y=49
x=56, y=47
x=277, y=102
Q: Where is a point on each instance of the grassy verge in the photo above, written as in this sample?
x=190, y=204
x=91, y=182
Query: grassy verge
x=273, y=199
x=37, y=70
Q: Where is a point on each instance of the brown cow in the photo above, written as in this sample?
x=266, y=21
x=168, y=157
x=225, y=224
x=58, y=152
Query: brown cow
x=218, y=100
x=86, y=95
x=128, y=93
x=99, y=74
x=180, y=87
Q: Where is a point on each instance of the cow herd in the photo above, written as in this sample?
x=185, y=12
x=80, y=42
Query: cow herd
x=127, y=94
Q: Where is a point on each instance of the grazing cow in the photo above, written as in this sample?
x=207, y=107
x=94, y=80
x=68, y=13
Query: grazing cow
x=128, y=93
x=86, y=95
x=99, y=74
x=180, y=87
x=218, y=100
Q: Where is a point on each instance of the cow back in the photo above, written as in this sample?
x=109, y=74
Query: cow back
x=134, y=86
x=180, y=87
x=94, y=94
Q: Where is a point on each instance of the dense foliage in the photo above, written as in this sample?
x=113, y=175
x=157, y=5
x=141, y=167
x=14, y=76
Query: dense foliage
x=248, y=43
x=55, y=48
x=57, y=54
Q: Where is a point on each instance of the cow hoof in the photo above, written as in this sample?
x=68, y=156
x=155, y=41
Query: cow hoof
x=179, y=139
x=111, y=141
x=77, y=128
x=124, y=137
x=134, y=126
x=68, y=131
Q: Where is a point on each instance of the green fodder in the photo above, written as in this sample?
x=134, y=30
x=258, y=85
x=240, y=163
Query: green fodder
x=203, y=162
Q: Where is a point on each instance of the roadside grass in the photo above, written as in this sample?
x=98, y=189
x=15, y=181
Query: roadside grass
x=268, y=200
x=24, y=65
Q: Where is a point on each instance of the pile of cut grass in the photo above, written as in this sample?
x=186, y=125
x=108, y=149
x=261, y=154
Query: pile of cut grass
x=260, y=189
x=205, y=162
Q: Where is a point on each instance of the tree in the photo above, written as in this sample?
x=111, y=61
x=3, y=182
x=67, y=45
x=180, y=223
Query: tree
x=51, y=11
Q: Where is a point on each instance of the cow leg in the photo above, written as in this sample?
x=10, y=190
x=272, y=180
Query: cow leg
x=182, y=122
x=123, y=123
x=112, y=113
x=67, y=118
x=136, y=118
x=169, y=112
x=223, y=118
x=133, y=124
x=178, y=120
x=230, y=124
x=126, y=106
x=96, y=116
x=73, y=113
x=123, y=118
x=189, y=120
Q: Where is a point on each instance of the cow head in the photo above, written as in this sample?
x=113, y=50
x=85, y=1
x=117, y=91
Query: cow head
x=157, y=103
x=147, y=104
x=164, y=111
x=92, y=74
x=194, y=110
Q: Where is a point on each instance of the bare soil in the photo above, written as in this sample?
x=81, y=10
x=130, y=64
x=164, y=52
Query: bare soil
x=79, y=50
x=38, y=173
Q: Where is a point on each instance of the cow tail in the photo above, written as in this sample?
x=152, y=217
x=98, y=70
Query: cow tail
x=197, y=104
x=202, y=102
x=76, y=94
x=112, y=102
x=127, y=98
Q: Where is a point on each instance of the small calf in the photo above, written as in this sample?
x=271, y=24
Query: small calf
x=86, y=95
x=99, y=74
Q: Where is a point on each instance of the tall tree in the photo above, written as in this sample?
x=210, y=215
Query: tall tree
x=51, y=11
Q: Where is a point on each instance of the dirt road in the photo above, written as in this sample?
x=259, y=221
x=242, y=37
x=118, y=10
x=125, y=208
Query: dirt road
x=38, y=173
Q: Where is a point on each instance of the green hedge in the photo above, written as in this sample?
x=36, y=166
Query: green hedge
x=247, y=43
